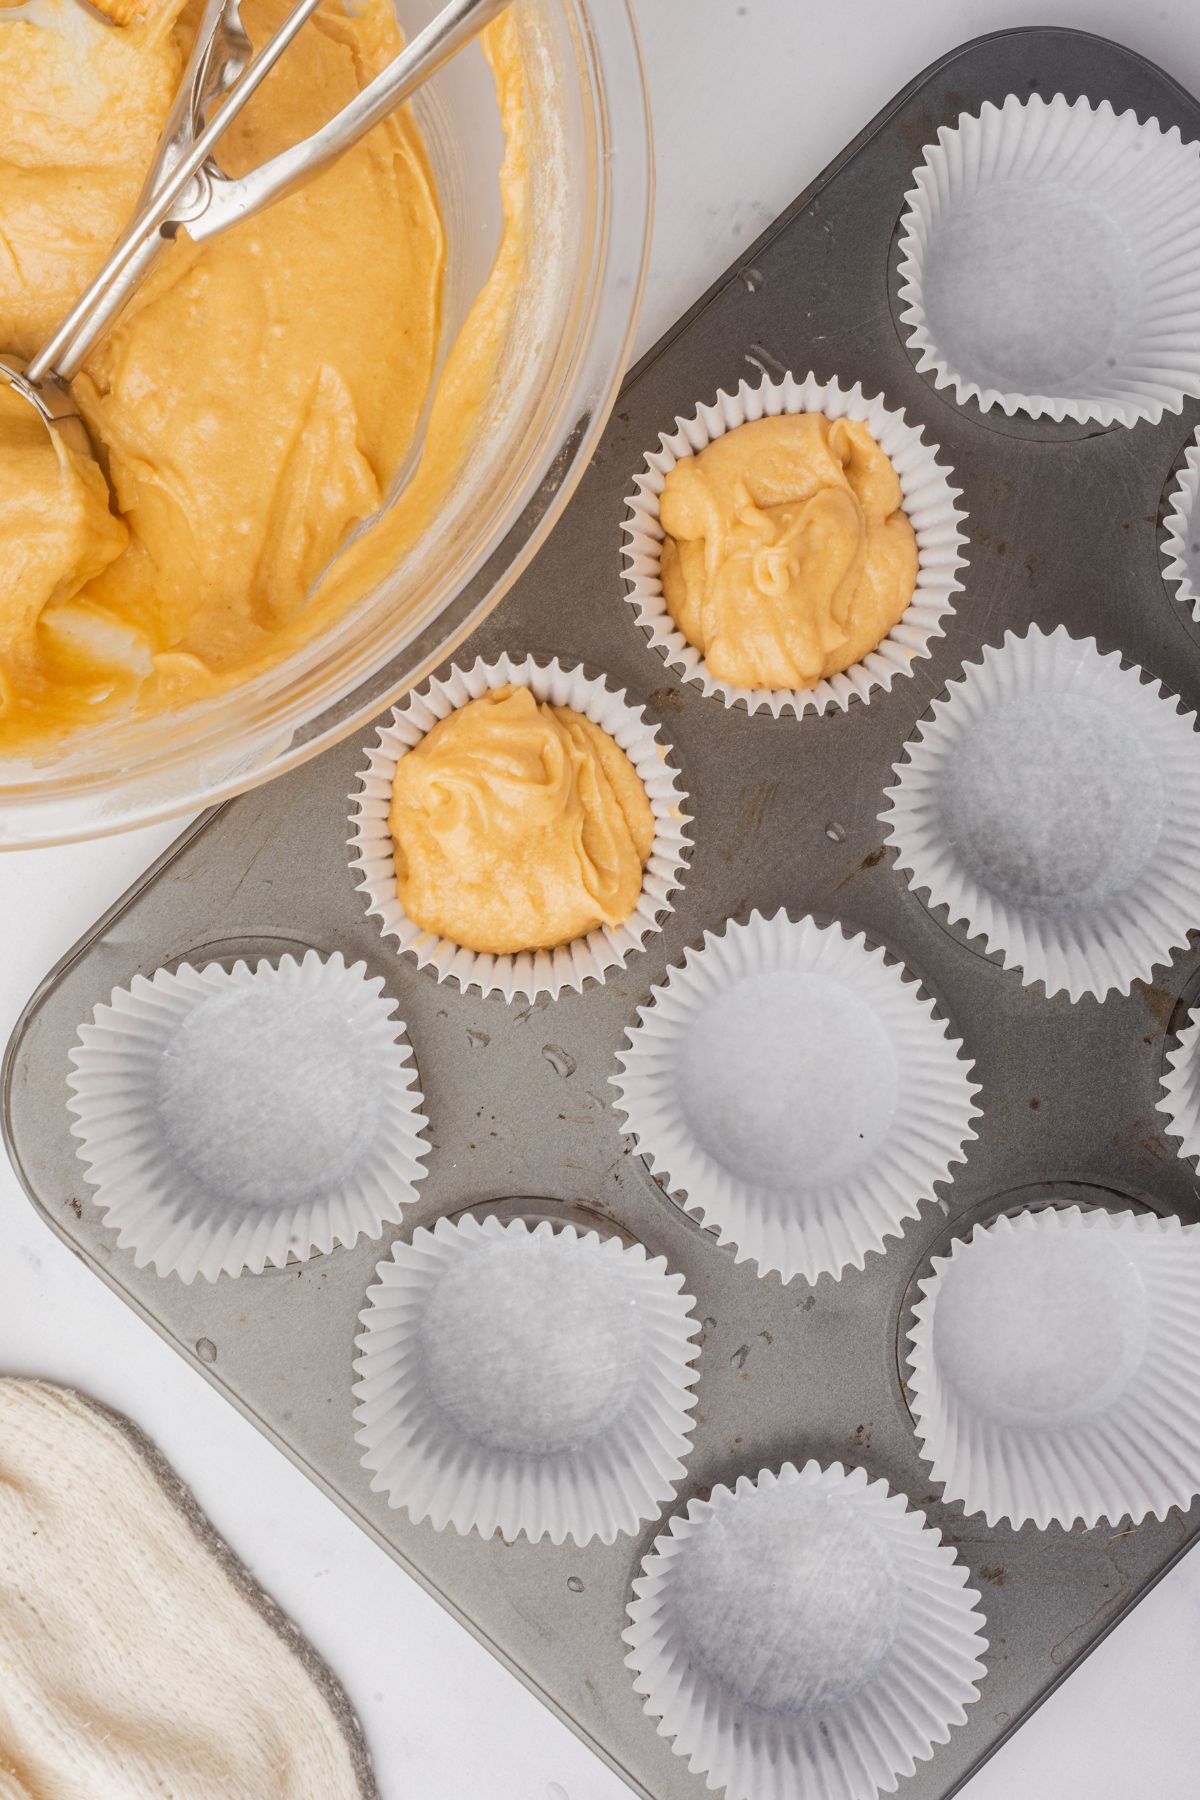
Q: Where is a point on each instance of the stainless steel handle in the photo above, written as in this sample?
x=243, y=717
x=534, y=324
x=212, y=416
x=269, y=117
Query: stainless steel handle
x=442, y=38
x=220, y=53
x=193, y=192
x=89, y=317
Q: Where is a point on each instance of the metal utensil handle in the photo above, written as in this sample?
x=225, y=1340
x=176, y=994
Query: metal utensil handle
x=453, y=28
x=231, y=201
x=88, y=318
x=220, y=53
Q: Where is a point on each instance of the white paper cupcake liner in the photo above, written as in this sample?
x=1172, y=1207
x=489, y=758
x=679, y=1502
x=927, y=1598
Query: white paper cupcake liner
x=1181, y=1090
x=525, y=1380
x=794, y=1088
x=1049, y=262
x=533, y=972
x=1181, y=545
x=1054, y=1372
x=929, y=501
x=804, y=1636
x=1051, y=803
x=229, y=1118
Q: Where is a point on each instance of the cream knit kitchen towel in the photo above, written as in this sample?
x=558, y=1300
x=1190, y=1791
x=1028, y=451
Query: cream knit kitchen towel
x=138, y=1660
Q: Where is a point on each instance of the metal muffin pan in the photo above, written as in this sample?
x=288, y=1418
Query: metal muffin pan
x=1063, y=527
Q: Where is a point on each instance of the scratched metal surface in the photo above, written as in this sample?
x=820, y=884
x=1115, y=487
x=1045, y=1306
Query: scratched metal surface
x=1063, y=527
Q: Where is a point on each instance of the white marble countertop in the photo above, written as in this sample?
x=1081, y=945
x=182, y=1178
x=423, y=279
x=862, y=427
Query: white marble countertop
x=790, y=83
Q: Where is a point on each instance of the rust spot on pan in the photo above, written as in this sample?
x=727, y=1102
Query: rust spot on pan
x=1158, y=1003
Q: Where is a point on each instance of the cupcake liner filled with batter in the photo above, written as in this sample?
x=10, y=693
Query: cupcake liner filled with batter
x=576, y=835
x=805, y=1634
x=525, y=1380
x=795, y=1090
x=1049, y=259
x=232, y=1118
x=1050, y=802
x=777, y=568
x=1181, y=542
x=1054, y=1369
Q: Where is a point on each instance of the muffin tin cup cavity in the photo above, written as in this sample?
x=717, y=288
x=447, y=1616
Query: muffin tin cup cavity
x=533, y=972
x=231, y=1118
x=1051, y=803
x=1049, y=261
x=797, y=1091
x=1181, y=1091
x=525, y=1380
x=1054, y=1372
x=929, y=501
x=804, y=1634
x=1181, y=542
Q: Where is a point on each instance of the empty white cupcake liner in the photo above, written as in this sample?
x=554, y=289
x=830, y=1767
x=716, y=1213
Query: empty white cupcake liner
x=1054, y=1369
x=519, y=1380
x=1049, y=260
x=798, y=1093
x=1181, y=1090
x=1181, y=545
x=804, y=1636
x=1051, y=803
x=532, y=972
x=929, y=502
x=231, y=1118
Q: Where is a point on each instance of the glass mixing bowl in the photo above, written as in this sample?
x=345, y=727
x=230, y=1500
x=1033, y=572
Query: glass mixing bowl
x=590, y=187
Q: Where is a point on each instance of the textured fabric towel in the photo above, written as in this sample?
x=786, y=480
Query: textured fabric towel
x=138, y=1661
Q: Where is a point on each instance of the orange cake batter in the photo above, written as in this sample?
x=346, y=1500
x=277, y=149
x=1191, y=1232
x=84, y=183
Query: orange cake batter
x=518, y=826
x=787, y=556
x=258, y=394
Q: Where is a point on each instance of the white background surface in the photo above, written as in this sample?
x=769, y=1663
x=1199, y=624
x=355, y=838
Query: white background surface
x=751, y=100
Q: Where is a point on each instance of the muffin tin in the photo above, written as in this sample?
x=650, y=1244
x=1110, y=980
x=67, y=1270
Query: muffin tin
x=1063, y=528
